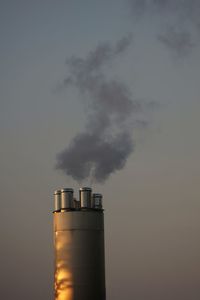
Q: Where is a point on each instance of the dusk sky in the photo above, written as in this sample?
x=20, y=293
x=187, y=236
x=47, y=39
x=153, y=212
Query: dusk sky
x=151, y=49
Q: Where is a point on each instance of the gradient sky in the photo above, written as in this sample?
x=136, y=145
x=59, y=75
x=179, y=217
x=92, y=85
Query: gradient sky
x=151, y=206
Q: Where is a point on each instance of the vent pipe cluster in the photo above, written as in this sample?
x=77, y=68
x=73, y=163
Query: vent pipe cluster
x=64, y=200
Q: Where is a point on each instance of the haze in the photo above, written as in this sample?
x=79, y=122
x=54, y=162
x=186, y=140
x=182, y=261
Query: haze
x=152, y=203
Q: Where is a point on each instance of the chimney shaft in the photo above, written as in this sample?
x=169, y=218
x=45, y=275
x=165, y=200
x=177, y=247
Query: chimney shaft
x=79, y=249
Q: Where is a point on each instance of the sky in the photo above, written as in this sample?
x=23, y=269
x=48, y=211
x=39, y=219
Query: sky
x=151, y=191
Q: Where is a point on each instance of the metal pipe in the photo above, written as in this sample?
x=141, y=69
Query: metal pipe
x=57, y=200
x=76, y=204
x=85, y=195
x=97, y=201
x=67, y=198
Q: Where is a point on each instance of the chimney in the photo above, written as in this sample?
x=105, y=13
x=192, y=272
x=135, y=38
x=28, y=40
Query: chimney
x=79, y=245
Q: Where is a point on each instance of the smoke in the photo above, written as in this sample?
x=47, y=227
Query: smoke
x=106, y=143
x=180, y=41
x=178, y=21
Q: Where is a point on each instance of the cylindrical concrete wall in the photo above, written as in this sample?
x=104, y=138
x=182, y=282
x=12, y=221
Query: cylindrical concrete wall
x=79, y=255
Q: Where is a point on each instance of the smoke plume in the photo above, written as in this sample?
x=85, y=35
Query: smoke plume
x=107, y=142
x=179, y=20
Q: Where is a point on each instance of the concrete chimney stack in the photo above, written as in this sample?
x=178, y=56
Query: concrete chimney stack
x=79, y=245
